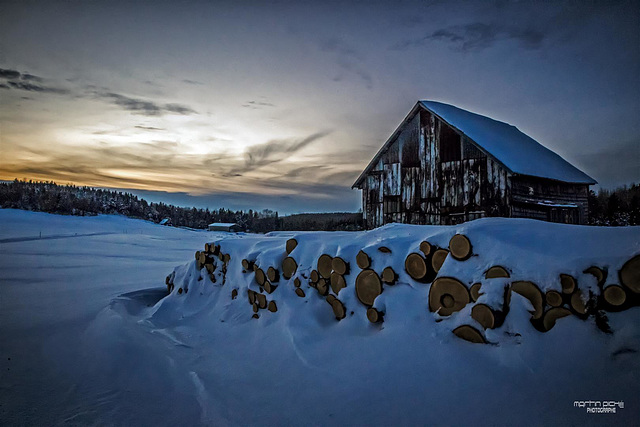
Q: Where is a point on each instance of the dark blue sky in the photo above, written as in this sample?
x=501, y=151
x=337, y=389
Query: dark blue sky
x=281, y=104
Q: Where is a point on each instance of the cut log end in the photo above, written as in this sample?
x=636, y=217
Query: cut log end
x=550, y=317
x=340, y=266
x=252, y=296
x=324, y=265
x=272, y=307
x=554, y=298
x=469, y=333
x=439, y=256
x=260, y=277
x=296, y=282
x=447, y=295
x=269, y=287
x=273, y=275
x=460, y=247
x=255, y=316
x=300, y=292
x=416, y=266
x=261, y=300
x=363, y=260
x=314, y=276
x=598, y=273
x=368, y=287
x=531, y=292
x=426, y=248
x=614, y=295
x=337, y=282
x=330, y=299
x=496, y=272
x=374, y=315
x=577, y=304
x=483, y=314
x=234, y=294
x=291, y=245
x=389, y=276
x=384, y=250
x=629, y=274
x=474, y=291
x=323, y=287
x=255, y=307
x=568, y=283
x=338, y=309
x=289, y=267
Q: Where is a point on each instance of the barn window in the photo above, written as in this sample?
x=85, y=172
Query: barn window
x=391, y=205
x=410, y=156
x=449, y=144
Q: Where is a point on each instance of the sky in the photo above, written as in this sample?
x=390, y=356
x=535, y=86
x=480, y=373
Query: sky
x=281, y=105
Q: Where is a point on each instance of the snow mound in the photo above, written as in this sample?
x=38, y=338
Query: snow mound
x=516, y=275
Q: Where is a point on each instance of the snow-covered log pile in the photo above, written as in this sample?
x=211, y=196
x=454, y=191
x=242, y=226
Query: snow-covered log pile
x=469, y=276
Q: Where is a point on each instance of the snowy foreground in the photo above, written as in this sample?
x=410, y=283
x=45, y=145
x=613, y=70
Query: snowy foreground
x=89, y=336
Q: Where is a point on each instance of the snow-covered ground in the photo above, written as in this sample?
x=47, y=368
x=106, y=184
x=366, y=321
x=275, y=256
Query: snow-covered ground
x=88, y=337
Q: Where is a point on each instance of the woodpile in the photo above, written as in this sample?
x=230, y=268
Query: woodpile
x=447, y=295
x=363, y=260
x=629, y=274
x=324, y=266
x=289, y=267
x=438, y=258
x=291, y=245
x=491, y=317
x=531, y=292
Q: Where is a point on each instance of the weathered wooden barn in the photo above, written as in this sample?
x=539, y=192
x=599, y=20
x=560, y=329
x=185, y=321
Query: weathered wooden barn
x=445, y=165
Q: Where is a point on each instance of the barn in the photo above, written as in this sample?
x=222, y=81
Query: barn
x=224, y=226
x=446, y=165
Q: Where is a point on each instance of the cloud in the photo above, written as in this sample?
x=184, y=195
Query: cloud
x=477, y=36
x=31, y=77
x=9, y=74
x=144, y=107
x=191, y=82
x=150, y=128
x=36, y=88
x=4, y=86
x=274, y=151
x=257, y=104
x=348, y=59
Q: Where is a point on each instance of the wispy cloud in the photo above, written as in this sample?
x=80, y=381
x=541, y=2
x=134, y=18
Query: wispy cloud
x=149, y=128
x=348, y=58
x=477, y=36
x=257, y=104
x=274, y=151
x=144, y=107
x=30, y=87
x=192, y=82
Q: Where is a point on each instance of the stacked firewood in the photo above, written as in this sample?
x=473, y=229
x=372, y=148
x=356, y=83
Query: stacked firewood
x=490, y=297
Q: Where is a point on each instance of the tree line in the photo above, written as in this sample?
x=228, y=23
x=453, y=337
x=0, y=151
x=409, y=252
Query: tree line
x=615, y=207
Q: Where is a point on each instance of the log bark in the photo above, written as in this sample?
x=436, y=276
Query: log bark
x=272, y=307
x=531, y=292
x=337, y=282
x=629, y=274
x=474, y=291
x=568, y=283
x=614, y=295
x=384, y=249
x=368, y=287
x=260, y=277
x=340, y=266
x=460, y=247
x=234, y=294
x=374, y=315
x=289, y=267
x=389, y=276
x=273, y=275
x=269, y=287
x=338, y=309
x=438, y=259
x=554, y=298
x=447, y=295
x=261, y=300
x=426, y=248
x=550, y=317
x=416, y=266
x=291, y=245
x=495, y=272
x=300, y=292
x=324, y=266
x=247, y=265
x=363, y=260
x=469, y=333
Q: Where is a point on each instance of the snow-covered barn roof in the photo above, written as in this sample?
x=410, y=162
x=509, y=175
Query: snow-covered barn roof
x=518, y=152
x=223, y=224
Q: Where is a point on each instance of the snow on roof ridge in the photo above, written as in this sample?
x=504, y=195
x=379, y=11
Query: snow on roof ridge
x=516, y=150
